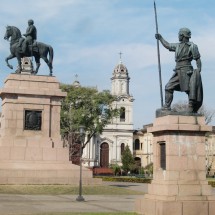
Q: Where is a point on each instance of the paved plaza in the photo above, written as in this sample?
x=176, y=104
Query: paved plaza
x=27, y=204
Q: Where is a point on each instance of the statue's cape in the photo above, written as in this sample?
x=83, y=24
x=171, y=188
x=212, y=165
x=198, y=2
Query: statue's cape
x=196, y=89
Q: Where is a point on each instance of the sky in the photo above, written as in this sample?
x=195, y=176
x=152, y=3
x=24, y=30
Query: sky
x=88, y=35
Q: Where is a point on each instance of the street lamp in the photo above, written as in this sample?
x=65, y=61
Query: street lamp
x=80, y=198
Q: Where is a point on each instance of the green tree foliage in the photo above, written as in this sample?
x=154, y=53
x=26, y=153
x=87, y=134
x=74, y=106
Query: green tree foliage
x=127, y=160
x=116, y=169
x=84, y=106
x=149, y=168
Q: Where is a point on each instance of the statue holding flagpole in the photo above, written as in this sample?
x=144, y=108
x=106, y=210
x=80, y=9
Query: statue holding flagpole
x=185, y=78
x=158, y=51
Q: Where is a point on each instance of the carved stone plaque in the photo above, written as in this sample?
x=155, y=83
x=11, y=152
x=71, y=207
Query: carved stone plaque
x=33, y=120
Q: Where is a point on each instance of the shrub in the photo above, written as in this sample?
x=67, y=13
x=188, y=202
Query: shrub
x=212, y=183
x=116, y=169
x=127, y=179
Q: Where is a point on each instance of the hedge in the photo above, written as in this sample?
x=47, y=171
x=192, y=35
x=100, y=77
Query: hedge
x=136, y=180
x=126, y=179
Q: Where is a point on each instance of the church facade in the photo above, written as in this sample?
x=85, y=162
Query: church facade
x=106, y=149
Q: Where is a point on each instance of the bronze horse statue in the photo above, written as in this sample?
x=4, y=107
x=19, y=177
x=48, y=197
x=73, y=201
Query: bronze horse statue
x=38, y=50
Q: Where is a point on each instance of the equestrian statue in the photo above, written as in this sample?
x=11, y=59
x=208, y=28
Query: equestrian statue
x=28, y=47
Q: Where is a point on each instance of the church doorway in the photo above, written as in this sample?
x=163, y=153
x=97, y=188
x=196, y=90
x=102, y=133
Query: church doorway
x=104, y=155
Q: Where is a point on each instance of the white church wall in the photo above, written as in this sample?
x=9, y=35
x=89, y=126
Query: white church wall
x=120, y=130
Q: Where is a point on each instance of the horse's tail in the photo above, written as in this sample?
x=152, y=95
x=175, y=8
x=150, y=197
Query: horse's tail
x=51, y=55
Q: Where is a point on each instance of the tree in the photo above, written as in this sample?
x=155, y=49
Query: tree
x=85, y=106
x=127, y=160
x=183, y=106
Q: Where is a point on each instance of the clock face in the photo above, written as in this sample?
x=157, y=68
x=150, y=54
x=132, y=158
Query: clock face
x=33, y=120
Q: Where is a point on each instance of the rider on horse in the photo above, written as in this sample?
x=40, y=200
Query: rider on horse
x=40, y=50
x=31, y=36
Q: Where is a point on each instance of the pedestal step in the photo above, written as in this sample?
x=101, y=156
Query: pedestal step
x=189, y=207
x=44, y=173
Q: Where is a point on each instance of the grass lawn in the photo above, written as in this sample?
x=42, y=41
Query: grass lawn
x=65, y=190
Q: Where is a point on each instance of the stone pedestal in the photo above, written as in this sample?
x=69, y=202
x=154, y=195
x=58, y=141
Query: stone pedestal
x=31, y=150
x=179, y=183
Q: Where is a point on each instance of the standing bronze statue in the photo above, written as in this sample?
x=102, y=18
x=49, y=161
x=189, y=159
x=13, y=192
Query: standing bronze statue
x=185, y=78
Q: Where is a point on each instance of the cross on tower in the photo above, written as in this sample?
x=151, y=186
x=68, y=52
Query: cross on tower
x=120, y=57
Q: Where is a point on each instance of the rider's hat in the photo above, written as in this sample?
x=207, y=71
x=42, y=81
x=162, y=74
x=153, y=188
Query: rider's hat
x=31, y=21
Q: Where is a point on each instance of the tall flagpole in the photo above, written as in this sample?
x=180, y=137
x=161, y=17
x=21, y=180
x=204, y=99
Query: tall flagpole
x=158, y=51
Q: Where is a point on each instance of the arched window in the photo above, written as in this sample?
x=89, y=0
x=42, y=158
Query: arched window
x=122, y=114
x=137, y=144
x=122, y=148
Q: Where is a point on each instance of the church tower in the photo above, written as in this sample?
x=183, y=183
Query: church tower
x=120, y=88
x=120, y=80
x=119, y=133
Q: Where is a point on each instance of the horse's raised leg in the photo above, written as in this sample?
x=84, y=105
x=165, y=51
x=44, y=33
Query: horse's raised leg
x=11, y=56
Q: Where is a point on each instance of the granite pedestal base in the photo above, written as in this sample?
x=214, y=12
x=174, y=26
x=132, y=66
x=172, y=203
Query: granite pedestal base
x=179, y=185
x=31, y=150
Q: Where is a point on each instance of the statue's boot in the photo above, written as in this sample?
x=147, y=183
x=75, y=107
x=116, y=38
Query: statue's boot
x=192, y=106
x=168, y=100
